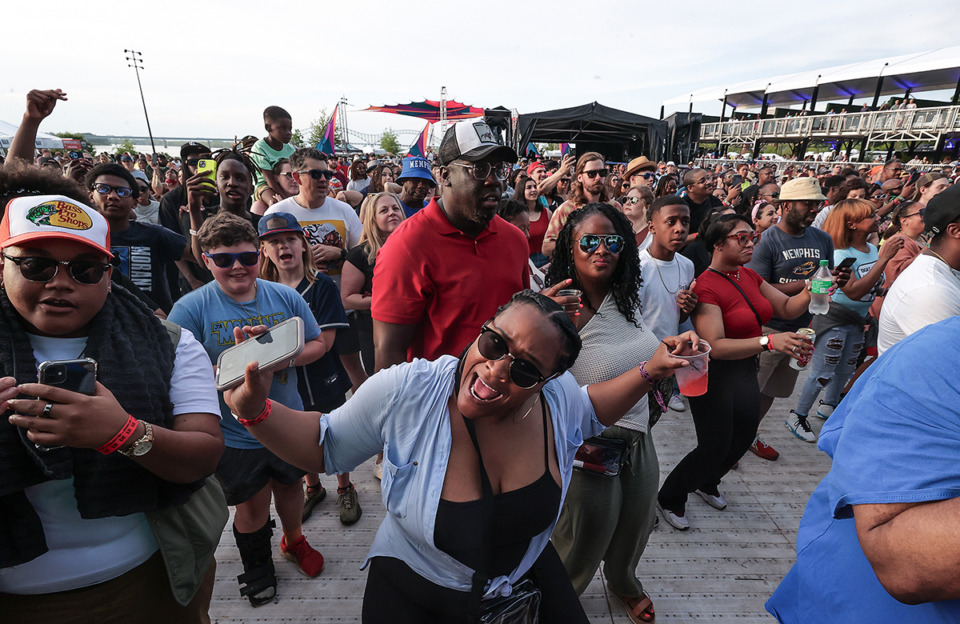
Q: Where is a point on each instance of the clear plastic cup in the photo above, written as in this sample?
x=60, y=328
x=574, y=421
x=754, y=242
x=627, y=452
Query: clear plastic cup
x=571, y=292
x=692, y=379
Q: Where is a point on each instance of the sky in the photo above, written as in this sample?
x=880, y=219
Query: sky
x=211, y=68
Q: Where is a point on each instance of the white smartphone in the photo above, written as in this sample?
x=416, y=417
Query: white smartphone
x=281, y=343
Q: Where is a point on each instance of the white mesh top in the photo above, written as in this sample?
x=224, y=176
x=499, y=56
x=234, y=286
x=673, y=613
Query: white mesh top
x=612, y=345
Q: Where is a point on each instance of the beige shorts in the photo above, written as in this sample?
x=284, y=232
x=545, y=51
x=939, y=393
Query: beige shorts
x=775, y=376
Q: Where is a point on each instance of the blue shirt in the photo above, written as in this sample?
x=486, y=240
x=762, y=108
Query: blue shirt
x=403, y=410
x=862, y=264
x=412, y=210
x=895, y=438
x=211, y=315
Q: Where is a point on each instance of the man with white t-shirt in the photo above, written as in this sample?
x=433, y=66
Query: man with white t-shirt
x=330, y=225
x=666, y=294
x=928, y=291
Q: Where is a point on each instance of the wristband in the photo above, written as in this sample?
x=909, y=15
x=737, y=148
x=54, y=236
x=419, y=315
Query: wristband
x=125, y=433
x=267, y=408
x=653, y=386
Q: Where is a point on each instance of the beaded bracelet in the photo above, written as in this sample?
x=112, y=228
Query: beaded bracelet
x=125, y=433
x=267, y=408
x=653, y=386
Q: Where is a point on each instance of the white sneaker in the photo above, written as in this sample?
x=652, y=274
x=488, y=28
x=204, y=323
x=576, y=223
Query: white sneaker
x=678, y=522
x=676, y=403
x=800, y=427
x=717, y=502
x=825, y=410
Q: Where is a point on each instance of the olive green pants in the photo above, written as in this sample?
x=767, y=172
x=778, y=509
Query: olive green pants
x=610, y=519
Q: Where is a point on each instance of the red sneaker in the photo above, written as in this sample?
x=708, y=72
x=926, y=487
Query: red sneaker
x=763, y=451
x=309, y=560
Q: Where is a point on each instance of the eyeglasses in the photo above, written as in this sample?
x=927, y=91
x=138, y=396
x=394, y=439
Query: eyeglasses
x=774, y=195
x=596, y=172
x=746, y=237
x=567, y=180
x=647, y=175
x=316, y=174
x=589, y=243
x=225, y=260
x=492, y=346
x=920, y=212
x=37, y=269
x=192, y=162
x=629, y=201
x=106, y=189
x=878, y=196
x=704, y=180
x=481, y=170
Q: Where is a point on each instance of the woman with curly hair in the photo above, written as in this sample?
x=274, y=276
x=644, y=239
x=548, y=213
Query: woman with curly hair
x=608, y=518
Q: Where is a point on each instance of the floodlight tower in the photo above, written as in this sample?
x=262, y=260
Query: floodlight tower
x=135, y=60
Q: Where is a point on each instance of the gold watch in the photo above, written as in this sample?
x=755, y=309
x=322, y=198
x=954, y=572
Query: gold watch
x=143, y=445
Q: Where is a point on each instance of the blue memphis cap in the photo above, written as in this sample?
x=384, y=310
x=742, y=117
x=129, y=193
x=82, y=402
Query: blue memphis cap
x=416, y=167
x=278, y=222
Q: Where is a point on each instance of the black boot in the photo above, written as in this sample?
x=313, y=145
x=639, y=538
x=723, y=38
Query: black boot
x=258, y=581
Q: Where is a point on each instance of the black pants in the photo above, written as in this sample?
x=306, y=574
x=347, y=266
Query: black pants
x=395, y=594
x=726, y=419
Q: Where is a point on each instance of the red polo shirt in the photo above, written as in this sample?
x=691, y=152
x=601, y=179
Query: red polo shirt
x=432, y=275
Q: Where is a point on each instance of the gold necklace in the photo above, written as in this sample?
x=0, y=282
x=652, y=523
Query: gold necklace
x=256, y=303
x=517, y=421
x=672, y=292
x=952, y=270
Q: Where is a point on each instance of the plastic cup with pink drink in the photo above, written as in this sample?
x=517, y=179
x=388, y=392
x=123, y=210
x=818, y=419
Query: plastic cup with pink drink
x=692, y=379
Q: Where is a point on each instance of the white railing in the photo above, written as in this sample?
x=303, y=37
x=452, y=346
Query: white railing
x=919, y=121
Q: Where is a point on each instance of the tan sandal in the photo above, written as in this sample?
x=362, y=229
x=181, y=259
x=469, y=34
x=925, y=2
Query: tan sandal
x=639, y=609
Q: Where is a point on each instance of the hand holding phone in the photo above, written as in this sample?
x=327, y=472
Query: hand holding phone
x=281, y=344
x=208, y=168
x=846, y=263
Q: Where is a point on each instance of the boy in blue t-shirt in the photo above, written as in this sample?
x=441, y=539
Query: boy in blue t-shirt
x=268, y=150
x=248, y=472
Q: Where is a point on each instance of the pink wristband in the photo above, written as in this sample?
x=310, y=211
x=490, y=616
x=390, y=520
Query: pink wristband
x=267, y=409
x=125, y=433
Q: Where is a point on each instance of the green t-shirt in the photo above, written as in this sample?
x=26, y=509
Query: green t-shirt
x=265, y=157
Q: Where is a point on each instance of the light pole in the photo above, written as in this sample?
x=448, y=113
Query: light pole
x=343, y=122
x=135, y=60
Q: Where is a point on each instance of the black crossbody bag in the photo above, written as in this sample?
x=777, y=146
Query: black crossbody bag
x=745, y=298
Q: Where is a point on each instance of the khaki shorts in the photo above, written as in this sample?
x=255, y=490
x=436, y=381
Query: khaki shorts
x=775, y=376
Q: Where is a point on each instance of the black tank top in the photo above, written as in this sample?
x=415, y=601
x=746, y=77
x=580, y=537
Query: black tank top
x=519, y=515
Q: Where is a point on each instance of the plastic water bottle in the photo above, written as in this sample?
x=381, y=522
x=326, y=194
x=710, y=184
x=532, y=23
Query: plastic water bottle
x=820, y=289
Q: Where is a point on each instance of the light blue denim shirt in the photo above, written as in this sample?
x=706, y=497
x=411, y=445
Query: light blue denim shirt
x=403, y=410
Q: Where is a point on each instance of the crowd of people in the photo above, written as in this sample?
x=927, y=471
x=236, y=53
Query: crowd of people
x=501, y=333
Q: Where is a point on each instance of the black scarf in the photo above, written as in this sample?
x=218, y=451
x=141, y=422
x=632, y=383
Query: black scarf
x=135, y=358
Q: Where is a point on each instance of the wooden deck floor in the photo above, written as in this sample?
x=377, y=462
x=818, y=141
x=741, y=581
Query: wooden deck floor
x=722, y=569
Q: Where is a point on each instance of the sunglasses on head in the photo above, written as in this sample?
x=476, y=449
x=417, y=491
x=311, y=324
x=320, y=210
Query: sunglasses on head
x=225, y=260
x=36, y=269
x=105, y=189
x=596, y=172
x=746, y=237
x=316, y=174
x=589, y=243
x=493, y=346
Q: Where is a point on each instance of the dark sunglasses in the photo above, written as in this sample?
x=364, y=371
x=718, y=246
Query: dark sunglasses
x=773, y=195
x=746, y=237
x=492, y=346
x=37, y=269
x=589, y=243
x=106, y=189
x=596, y=172
x=920, y=212
x=316, y=174
x=225, y=260
x=192, y=162
x=646, y=175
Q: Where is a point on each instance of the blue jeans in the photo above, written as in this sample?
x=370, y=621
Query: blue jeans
x=833, y=362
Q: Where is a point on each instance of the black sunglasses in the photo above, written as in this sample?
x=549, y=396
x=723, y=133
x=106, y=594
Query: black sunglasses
x=316, y=174
x=225, y=260
x=589, y=243
x=105, y=189
x=492, y=346
x=36, y=269
x=596, y=172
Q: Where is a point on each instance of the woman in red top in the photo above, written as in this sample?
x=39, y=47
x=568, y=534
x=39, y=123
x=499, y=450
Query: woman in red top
x=539, y=217
x=734, y=304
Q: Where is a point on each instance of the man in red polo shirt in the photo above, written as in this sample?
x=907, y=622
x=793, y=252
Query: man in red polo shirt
x=446, y=269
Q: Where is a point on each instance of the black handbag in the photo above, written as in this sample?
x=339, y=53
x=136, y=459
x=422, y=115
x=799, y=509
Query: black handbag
x=522, y=606
x=601, y=456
